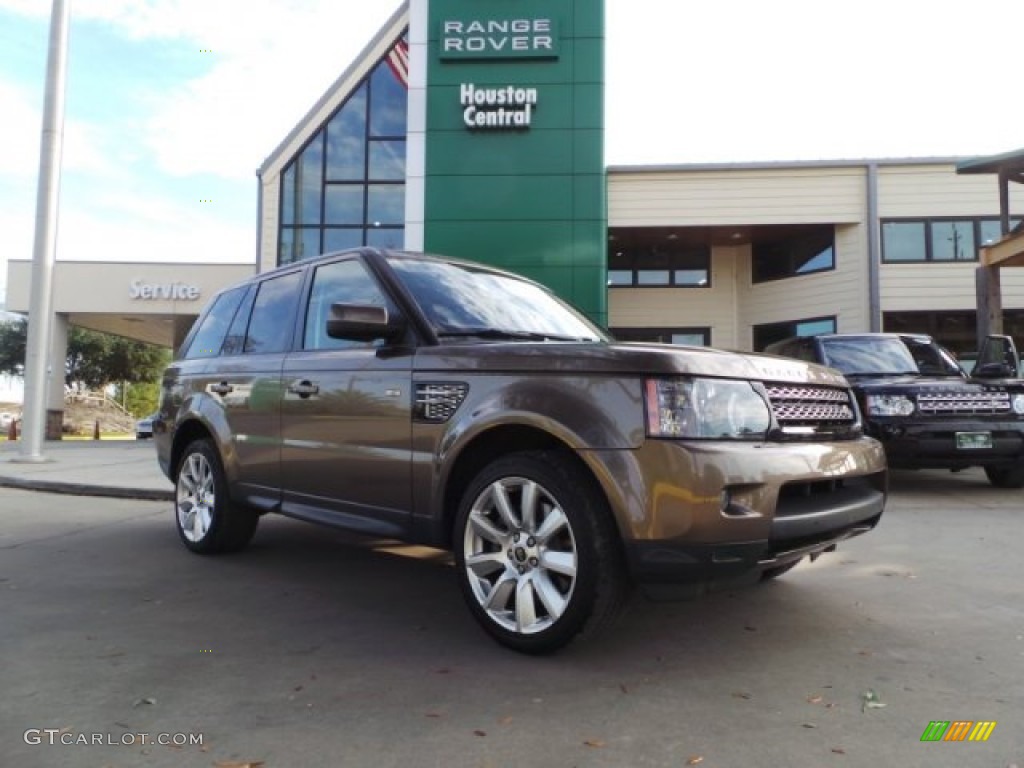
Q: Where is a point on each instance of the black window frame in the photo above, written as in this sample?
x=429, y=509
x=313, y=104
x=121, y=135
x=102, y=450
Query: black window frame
x=929, y=250
x=789, y=260
x=634, y=263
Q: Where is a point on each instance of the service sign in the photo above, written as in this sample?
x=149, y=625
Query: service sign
x=507, y=38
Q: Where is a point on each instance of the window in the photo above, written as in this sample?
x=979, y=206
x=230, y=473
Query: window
x=273, y=315
x=771, y=333
x=341, y=281
x=689, y=268
x=694, y=337
x=802, y=252
x=210, y=335
x=346, y=187
x=937, y=240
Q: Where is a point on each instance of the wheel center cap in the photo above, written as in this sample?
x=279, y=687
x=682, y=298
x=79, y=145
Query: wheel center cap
x=520, y=554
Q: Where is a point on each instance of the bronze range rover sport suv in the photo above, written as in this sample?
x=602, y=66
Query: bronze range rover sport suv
x=454, y=405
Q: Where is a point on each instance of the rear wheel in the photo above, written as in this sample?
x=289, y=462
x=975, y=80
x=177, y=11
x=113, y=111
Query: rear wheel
x=1007, y=477
x=537, y=553
x=207, y=520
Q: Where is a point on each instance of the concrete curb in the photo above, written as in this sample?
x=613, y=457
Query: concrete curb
x=84, y=489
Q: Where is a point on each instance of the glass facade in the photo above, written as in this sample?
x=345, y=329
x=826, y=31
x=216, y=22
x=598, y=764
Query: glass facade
x=346, y=187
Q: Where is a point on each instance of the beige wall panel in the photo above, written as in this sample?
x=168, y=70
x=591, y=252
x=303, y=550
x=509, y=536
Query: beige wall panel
x=921, y=287
x=937, y=190
x=713, y=307
x=270, y=216
x=841, y=293
x=723, y=198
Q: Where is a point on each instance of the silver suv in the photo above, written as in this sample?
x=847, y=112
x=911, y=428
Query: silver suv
x=454, y=405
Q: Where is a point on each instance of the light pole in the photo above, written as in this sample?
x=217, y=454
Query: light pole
x=40, y=308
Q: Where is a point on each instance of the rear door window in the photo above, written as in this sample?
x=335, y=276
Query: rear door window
x=273, y=315
x=210, y=335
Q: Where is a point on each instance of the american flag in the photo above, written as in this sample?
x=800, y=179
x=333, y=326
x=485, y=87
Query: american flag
x=398, y=61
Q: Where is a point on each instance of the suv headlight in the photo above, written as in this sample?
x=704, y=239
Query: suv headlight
x=707, y=408
x=889, y=405
x=1017, y=402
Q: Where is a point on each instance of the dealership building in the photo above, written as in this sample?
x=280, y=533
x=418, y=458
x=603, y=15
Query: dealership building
x=477, y=130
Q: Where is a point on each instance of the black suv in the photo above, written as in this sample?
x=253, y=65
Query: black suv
x=920, y=403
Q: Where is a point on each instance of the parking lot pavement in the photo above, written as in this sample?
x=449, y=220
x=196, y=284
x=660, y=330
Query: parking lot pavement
x=316, y=649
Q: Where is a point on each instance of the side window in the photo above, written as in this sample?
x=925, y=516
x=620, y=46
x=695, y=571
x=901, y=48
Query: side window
x=346, y=281
x=273, y=315
x=234, y=342
x=210, y=335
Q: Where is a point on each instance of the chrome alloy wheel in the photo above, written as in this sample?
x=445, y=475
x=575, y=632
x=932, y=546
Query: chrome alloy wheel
x=195, y=497
x=520, y=555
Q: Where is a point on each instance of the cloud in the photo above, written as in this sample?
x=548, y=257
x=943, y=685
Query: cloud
x=266, y=63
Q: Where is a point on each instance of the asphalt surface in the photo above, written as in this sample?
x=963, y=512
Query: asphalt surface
x=314, y=648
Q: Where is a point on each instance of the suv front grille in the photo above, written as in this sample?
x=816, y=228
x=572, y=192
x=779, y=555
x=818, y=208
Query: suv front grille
x=811, y=410
x=964, y=402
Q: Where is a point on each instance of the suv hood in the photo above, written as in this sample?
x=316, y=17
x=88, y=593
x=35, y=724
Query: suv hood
x=621, y=359
x=922, y=384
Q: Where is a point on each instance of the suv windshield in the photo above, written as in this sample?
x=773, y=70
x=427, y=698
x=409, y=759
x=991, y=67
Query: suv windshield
x=867, y=356
x=460, y=300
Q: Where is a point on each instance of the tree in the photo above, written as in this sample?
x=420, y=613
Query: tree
x=94, y=359
x=13, y=336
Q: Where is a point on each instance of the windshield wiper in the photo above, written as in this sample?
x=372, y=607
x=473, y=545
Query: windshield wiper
x=501, y=333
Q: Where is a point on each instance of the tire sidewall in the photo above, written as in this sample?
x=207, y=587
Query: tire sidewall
x=580, y=505
x=211, y=541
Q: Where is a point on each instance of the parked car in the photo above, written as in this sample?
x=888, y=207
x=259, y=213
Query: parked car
x=927, y=411
x=454, y=405
x=144, y=427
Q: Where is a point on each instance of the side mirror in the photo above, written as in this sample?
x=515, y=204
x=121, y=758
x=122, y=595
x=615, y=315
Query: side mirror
x=997, y=359
x=363, y=322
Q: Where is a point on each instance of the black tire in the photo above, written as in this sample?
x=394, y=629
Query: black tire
x=535, y=580
x=1007, y=477
x=773, y=573
x=208, y=521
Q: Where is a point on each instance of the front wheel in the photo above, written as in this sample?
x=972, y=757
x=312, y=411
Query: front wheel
x=1007, y=477
x=537, y=553
x=207, y=520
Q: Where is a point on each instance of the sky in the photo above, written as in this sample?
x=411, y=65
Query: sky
x=173, y=104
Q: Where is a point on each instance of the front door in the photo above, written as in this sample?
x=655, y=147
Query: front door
x=346, y=416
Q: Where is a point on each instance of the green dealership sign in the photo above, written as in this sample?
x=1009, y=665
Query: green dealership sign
x=514, y=146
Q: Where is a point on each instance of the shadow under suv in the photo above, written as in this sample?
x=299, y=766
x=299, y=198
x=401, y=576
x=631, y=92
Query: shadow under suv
x=454, y=405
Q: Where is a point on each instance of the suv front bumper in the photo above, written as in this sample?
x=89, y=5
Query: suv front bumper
x=933, y=445
x=708, y=511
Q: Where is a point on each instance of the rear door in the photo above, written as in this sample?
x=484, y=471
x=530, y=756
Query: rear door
x=346, y=414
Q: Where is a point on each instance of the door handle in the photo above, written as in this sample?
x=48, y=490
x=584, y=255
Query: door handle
x=221, y=389
x=304, y=388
